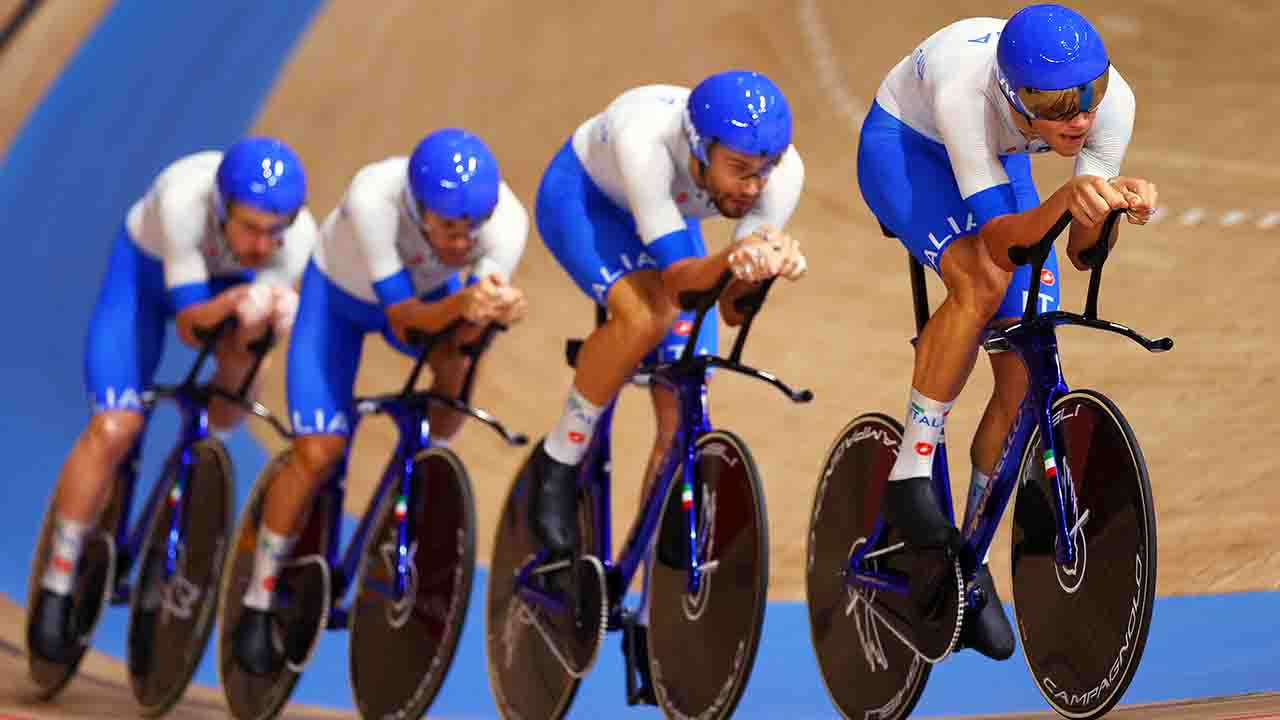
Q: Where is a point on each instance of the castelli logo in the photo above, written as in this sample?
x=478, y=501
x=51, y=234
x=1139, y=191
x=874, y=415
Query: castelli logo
x=924, y=449
x=577, y=438
x=682, y=197
x=1047, y=278
x=683, y=328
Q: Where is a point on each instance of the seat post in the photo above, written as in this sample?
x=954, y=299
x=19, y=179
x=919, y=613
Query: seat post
x=919, y=293
x=919, y=289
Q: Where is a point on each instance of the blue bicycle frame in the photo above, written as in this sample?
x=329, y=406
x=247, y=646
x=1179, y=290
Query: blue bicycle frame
x=1035, y=341
x=687, y=377
x=192, y=400
x=408, y=409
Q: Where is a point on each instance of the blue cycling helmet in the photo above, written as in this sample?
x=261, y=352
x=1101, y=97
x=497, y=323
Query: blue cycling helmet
x=453, y=174
x=263, y=173
x=1051, y=63
x=743, y=110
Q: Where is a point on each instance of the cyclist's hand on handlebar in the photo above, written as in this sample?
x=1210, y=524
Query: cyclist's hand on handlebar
x=767, y=253
x=514, y=308
x=794, y=263
x=480, y=302
x=1092, y=197
x=1141, y=196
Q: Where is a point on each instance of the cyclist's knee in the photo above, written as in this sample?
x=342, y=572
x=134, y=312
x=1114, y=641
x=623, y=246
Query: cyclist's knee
x=666, y=412
x=112, y=433
x=648, y=321
x=973, y=280
x=639, y=302
x=316, y=456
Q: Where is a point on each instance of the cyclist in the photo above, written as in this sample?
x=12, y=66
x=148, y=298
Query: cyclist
x=620, y=208
x=391, y=257
x=216, y=234
x=944, y=164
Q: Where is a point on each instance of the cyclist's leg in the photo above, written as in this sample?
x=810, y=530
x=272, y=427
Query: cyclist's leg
x=324, y=354
x=596, y=243
x=1010, y=376
x=125, y=337
x=989, y=631
x=122, y=351
x=909, y=185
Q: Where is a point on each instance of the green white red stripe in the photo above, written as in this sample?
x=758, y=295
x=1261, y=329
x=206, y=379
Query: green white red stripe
x=686, y=496
x=1050, y=467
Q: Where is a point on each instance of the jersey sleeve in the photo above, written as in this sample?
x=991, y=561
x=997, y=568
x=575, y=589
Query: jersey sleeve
x=966, y=129
x=183, y=218
x=374, y=220
x=503, y=236
x=648, y=171
x=295, y=249
x=780, y=197
x=1112, y=129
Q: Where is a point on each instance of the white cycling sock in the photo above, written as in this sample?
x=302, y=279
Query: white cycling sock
x=568, y=441
x=65, y=546
x=272, y=551
x=925, y=420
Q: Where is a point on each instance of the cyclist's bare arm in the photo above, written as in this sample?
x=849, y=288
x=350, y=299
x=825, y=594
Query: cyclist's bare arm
x=488, y=300
x=1088, y=197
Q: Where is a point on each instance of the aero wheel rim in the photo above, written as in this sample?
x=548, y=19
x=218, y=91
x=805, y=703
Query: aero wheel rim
x=1084, y=625
x=528, y=680
x=713, y=633
x=402, y=647
x=867, y=670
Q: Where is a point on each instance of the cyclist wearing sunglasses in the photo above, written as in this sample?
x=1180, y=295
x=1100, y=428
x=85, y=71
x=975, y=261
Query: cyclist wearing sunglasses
x=944, y=164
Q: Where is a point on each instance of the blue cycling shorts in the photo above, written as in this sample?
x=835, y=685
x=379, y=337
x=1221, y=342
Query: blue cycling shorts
x=596, y=242
x=126, y=332
x=907, y=181
x=324, y=351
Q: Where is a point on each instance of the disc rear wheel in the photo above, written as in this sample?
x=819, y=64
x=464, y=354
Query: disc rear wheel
x=868, y=670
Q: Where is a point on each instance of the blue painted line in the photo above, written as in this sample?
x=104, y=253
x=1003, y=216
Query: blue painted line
x=153, y=82
x=158, y=80
x=1180, y=662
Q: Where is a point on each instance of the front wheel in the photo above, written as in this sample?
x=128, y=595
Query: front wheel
x=703, y=645
x=170, y=618
x=537, y=656
x=401, y=649
x=1084, y=626
x=868, y=670
x=302, y=595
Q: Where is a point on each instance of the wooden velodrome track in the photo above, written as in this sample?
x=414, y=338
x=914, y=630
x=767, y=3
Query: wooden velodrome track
x=363, y=86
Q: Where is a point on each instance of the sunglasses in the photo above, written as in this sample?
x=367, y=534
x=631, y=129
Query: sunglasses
x=1065, y=104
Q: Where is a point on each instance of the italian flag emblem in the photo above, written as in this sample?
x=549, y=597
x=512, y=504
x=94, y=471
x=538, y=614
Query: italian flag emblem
x=686, y=496
x=1050, y=467
x=402, y=508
